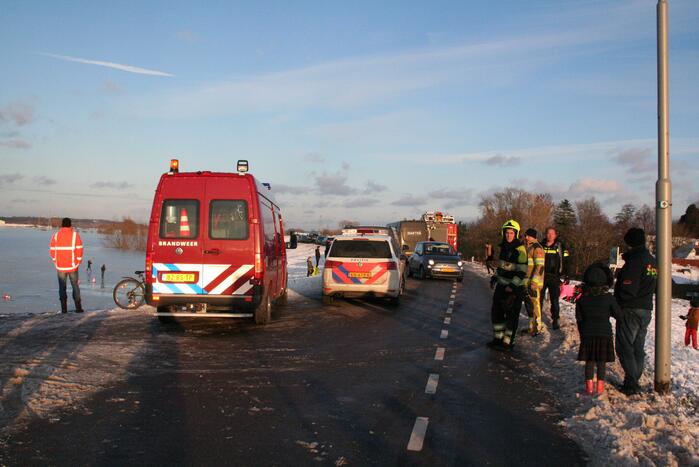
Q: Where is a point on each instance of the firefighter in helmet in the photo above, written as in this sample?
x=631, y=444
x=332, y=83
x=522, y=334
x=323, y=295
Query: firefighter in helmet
x=508, y=282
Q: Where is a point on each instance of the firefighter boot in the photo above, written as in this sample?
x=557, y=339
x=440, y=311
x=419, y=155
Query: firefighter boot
x=600, y=387
x=64, y=306
x=78, y=306
x=589, y=385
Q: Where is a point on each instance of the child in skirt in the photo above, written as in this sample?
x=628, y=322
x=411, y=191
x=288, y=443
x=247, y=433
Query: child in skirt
x=592, y=313
x=692, y=318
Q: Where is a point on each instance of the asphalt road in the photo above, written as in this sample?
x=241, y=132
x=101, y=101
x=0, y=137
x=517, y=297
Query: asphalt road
x=339, y=385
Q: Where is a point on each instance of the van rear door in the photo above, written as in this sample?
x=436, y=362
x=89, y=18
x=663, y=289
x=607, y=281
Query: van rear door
x=229, y=253
x=177, y=252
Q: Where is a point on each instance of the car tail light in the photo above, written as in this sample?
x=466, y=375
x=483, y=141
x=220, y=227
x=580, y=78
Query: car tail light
x=332, y=264
x=392, y=266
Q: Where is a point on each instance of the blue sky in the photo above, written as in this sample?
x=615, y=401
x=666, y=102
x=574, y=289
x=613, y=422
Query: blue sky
x=370, y=111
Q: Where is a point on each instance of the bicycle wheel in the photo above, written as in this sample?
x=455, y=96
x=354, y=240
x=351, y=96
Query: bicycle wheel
x=129, y=294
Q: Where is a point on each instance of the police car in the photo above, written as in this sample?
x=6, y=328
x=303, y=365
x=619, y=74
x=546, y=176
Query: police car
x=364, y=261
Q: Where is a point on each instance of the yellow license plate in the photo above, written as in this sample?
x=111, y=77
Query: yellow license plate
x=178, y=277
x=448, y=269
x=361, y=275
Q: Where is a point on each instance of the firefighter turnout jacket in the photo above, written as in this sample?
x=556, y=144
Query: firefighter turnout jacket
x=512, y=264
x=535, y=266
x=557, y=259
x=66, y=250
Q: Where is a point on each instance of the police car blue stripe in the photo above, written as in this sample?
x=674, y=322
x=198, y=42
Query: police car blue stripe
x=353, y=279
x=172, y=267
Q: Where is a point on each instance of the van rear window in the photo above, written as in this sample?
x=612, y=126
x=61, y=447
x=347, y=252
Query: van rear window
x=228, y=220
x=360, y=249
x=179, y=219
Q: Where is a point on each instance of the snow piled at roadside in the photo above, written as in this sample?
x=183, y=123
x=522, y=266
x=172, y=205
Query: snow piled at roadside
x=300, y=285
x=645, y=429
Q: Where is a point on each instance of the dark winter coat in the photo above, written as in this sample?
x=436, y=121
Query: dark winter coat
x=512, y=264
x=636, y=280
x=557, y=260
x=592, y=313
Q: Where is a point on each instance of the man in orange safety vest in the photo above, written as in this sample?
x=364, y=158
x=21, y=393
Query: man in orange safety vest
x=66, y=250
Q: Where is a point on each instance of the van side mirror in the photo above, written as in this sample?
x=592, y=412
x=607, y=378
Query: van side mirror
x=293, y=241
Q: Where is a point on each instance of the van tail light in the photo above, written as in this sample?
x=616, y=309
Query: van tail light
x=392, y=266
x=259, y=268
x=332, y=264
x=149, y=264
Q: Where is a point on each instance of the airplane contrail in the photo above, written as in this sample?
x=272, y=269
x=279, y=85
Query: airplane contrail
x=117, y=66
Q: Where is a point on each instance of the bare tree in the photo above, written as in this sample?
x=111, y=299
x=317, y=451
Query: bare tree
x=595, y=233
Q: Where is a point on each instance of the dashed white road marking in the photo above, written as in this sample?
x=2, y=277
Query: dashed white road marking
x=451, y=302
x=432, y=382
x=453, y=296
x=449, y=310
x=444, y=334
x=439, y=354
x=447, y=320
x=417, y=437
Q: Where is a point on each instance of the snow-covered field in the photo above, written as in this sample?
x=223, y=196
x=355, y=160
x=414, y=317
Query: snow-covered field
x=299, y=284
x=646, y=429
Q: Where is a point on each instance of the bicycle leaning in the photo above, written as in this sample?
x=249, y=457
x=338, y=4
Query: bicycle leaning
x=130, y=293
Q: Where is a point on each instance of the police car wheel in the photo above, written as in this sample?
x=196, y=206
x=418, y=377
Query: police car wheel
x=328, y=299
x=263, y=312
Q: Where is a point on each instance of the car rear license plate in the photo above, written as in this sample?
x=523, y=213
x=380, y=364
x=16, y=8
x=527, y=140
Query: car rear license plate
x=360, y=275
x=177, y=277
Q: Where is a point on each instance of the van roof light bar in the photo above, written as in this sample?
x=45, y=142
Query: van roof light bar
x=174, y=166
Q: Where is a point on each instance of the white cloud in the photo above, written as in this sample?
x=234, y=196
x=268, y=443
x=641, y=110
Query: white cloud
x=116, y=66
x=409, y=200
x=280, y=188
x=360, y=202
x=333, y=184
x=595, y=186
x=112, y=185
x=18, y=112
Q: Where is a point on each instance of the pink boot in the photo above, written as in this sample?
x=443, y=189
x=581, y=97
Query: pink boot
x=589, y=384
x=600, y=387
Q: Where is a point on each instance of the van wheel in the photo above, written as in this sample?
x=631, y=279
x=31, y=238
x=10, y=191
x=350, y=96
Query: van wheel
x=328, y=299
x=283, y=298
x=165, y=319
x=263, y=312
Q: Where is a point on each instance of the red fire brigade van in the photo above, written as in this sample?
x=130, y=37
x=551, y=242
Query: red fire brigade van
x=215, y=241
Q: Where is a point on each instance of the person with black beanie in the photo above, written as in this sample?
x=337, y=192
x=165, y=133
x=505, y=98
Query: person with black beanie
x=592, y=313
x=634, y=289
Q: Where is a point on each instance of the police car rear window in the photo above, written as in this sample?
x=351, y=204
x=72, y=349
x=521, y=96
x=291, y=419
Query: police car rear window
x=179, y=219
x=228, y=220
x=360, y=248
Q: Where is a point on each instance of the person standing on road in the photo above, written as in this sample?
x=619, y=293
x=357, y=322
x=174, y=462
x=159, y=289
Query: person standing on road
x=66, y=249
x=318, y=256
x=634, y=289
x=103, y=269
x=534, y=281
x=489, y=258
x=88, y=270
x=309, y=267
x=592, y=313
x=556, y=267
x=509, y=287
